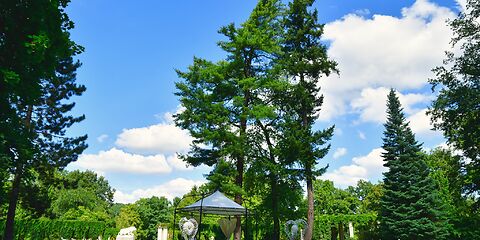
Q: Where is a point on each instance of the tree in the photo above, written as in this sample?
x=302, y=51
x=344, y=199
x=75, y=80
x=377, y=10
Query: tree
x=456, y=110
x=128, y=217
x=152, y=211
x=81, y=195
x=90, y=181
x=330, y=200
x=368, y=195
x=304, y=60
x=37, y=75
x=410, y=207
x=219, y=97
x=448, y=171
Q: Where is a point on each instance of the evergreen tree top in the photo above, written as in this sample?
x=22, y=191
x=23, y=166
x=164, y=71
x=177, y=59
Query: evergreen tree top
x=410, y=208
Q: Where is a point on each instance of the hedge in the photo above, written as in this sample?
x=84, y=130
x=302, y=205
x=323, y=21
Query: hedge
x=56, y=229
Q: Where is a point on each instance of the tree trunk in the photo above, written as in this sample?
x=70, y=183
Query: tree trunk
x=237, y=233
x=274, y=184
x=341, y=231
x=333, y=233
x=310, y=216
x=275, y=211
x=12, y=206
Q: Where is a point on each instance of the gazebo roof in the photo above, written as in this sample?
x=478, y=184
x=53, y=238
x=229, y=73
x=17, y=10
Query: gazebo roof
x=216, y=204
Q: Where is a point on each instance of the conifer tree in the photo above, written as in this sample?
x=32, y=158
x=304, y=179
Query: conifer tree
x=223, y=100
x=410, y=206
x=304, y=61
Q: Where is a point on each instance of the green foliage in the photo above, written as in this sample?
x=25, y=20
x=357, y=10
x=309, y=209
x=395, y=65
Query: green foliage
x=90, y=181
x=331, y=200
x=128, y=217
x=456, y=110
x=81, y=195
x=369, y=195
x=222, y=178
x=303, y=60
x=152, y=211
x=410, y=207
x=449, y=174
x=71, y=199
x=37, y=81
x=56, y=229
x=335, y=208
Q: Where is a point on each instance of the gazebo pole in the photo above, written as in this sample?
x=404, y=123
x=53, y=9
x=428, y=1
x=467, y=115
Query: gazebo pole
x=200, y=224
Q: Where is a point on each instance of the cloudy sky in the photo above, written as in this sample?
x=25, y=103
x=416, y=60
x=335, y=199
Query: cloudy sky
x=133, y=48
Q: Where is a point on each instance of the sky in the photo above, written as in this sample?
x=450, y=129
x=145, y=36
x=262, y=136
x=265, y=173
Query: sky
x=133, y=49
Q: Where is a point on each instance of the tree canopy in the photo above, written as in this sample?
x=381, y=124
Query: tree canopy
x=456, y=109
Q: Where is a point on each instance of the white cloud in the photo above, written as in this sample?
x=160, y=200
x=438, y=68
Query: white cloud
x=177, y=163
x=102, y=138
x=339, y=152
x=384, y=51
x=174, y=188
x=372, y=162
x=462, y=5
x=372, y=104
x=420, y=124
x=361, y=135
x=163, y=138
x=340, y=178
x=115, y=160
x=369, y=167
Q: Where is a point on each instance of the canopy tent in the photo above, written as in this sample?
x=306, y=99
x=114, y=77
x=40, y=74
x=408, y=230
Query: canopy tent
x=217, y=204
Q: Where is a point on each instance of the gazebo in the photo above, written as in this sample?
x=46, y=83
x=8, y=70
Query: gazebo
x=216, y=204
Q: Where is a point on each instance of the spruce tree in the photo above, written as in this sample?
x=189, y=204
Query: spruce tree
x=410, y=207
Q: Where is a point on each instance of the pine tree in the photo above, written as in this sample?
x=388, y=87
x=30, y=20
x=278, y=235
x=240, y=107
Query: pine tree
x=304, y=61
x=410, y=207
x=223, y=100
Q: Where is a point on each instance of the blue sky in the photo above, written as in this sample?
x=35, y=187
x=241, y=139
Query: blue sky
x=133, y=49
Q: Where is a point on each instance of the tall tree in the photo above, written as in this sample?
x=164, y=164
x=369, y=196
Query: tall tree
x=218, y=98
x=449, y=172
x=410, y=207
x=37, y=80
x=456, y=110
x=304, y=61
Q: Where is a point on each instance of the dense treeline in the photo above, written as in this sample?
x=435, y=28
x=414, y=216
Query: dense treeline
x=83, y=197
